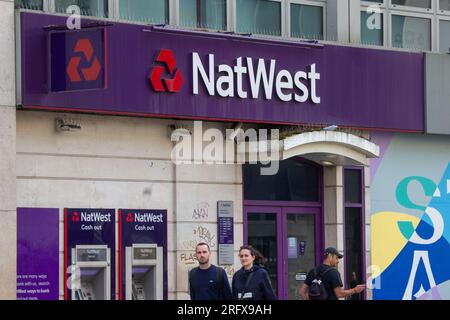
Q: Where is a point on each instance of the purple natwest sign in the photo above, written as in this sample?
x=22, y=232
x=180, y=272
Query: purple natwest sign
x=152, y=71
x=77, y=60
x=37, y=254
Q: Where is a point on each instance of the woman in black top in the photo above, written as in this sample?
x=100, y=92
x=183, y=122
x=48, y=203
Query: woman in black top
x=252, y=282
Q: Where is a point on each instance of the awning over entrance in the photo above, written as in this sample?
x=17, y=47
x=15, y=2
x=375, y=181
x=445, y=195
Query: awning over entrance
x=322, y=147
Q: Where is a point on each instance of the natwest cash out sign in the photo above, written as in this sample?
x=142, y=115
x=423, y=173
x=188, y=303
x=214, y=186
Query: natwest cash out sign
x=159, y=72
x=87, y=226
x=141, y=226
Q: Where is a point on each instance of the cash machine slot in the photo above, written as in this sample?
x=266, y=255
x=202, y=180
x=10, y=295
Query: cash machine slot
x=94, y=271
x=144, y=272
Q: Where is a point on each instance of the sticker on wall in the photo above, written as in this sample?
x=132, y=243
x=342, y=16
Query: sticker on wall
x=89, y=254
x=292, y=248
x=37, y=254
x=302, y=248
x=143, y=254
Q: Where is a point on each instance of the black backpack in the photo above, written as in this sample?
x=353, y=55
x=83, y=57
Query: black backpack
x=317, y=289
x=219, y=279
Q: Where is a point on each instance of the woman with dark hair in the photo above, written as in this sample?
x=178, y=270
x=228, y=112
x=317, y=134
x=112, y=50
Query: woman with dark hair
x=252, y=282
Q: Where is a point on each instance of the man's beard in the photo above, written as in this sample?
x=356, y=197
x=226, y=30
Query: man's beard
x=203, y=263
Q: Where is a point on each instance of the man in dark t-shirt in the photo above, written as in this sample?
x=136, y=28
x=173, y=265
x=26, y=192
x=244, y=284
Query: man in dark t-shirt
x=331, y=278
x=207, y=281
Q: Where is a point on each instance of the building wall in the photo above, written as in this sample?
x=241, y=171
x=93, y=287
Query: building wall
x=410, y=217
x=7, y=152
x=119, y=162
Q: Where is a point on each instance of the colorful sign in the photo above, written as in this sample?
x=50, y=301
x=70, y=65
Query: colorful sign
x=410, y=225
x=77, y=60
x=140, y=227
x=159, y=72
x=84, y=228
x=37, y=254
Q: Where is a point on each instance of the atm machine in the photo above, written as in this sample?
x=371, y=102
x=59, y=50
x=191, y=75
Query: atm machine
x=94, y=262
x=144, y=272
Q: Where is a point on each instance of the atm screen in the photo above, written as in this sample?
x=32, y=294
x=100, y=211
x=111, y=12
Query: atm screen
x=138, y=290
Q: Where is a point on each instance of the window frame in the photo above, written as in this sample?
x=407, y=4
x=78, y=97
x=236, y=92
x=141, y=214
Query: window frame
x=441, y=12
x=368, y=4
x=438, y=32
x=51, y=8
x=282, y=20
x=397, y=7
x=362, y=207
x=175, y=10
x=384, y=13
x=413, y=15
x=287, y=19
x=116, y=16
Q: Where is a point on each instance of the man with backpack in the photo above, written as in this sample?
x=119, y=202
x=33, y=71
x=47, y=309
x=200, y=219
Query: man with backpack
x=324, y=282
x=207, y=281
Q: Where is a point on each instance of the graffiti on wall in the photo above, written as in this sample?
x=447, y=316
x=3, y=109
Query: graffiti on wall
x=199, y=233
x=412, y=253
x=201, y=212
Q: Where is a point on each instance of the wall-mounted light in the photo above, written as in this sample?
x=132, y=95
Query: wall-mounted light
x=330, y=128
x=67, y=125
x=327, y=163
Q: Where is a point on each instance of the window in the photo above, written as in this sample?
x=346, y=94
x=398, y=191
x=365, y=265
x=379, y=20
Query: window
x=411, y=32
x=306, y=21
x=95, y=8
x=259, y=17
x=207, y=14
x=354, y=228
x=413, y=3
x=444, y=5
x=372, y=28
x=30, y=4
x=444, y=36
x=155, y=11
x=295, y=181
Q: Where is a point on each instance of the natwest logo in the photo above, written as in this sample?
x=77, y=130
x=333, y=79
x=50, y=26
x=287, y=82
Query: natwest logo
x=83, y=52
x=165, y=63
x=76, y=217
x=144, y=217
x=300, y=86
x=91, y=217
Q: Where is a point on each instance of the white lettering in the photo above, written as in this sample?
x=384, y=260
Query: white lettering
x=257, y=76
x=280, y=84
x=198, y=67
x=240, y=71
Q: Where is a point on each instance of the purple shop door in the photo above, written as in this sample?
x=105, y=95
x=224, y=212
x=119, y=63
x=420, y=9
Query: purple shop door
x=290, y=239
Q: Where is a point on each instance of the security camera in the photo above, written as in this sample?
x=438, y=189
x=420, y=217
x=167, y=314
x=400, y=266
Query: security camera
x=236, y=129
x=67, y=125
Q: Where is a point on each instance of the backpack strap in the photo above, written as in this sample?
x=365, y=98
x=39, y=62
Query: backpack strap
x=219, y=280
x=250, y=276
x=322, y=274
x=191, y=289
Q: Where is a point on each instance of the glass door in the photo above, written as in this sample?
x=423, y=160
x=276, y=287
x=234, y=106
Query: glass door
x=263, y=231
x=302, y=247
x=289, y=238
